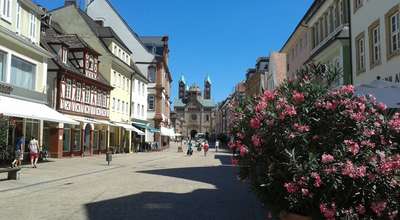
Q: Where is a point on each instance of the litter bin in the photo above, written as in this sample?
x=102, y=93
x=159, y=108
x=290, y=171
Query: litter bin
x=109, y=157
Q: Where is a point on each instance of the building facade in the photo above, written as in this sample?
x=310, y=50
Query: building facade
x=195, y=110
x=144, y=61
x=375, y=40
x=329, y=23
x=277, y=70
x=23, y=75
x=115, y=66
x=77, y=89
x=255, y=77
x=159, y=89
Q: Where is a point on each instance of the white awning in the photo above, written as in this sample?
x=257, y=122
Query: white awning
x=167, y=132
x=25, y=109
x=103, y=122
x=130, y=128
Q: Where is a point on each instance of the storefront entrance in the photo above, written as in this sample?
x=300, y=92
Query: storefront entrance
x=86, y=140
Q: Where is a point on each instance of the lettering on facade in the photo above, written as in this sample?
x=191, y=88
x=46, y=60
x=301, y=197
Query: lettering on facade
x=83, y=108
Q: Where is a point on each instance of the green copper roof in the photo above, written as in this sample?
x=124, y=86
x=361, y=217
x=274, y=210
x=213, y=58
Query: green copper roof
x=182, y=79
x=208, y=79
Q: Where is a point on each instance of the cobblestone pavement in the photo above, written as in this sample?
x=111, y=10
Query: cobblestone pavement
x=160, y=185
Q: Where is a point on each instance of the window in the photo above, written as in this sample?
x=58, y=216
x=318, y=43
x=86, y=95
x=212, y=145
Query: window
x=78, y=92
x=113, y=104
x=152, y=74
x=138, y=91
x=341, y=12
x=142, y=110
x=3, y=66
x=6, y=9
x=127, y=58
x=207, y=118
x=326, y=25
x=394, y=33
x=114, y=78
x=194, y=117
x=358, y=4
x=23, y=73
x=32, y=27
x=337, y=14
x=64, y=55
x=133, y=85
x=133, y=108
x=123, y=83
x=91, y=63
x=331, y=20
x=138, y=110
x=123, y=107
x=99, y=98
x=115, y=49
x=142, y=89
x=375, y=44
x=118, y=105
x=150, y=102
x=119, y=52
x=127, y=108
x=119, y=80
x=18, y=18
x=87, y=95
x=127, y=84
x=68, y=89
x=360, y=46
x=123, y=56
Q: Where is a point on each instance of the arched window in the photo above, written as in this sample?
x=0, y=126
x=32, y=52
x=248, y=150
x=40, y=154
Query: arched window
x=152, y=74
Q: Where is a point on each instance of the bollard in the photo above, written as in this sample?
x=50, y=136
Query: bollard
x=108, y=157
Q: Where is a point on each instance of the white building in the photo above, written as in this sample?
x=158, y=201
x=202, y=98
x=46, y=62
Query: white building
x=140, y=113
x=375, y=31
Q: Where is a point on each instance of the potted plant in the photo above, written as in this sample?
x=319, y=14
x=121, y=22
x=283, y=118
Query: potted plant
x=315, y=152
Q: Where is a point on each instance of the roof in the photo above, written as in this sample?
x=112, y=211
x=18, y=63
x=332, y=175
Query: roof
x=182, y=79
x=207, y=103
x=102, y=32
x=208, y=79
x=313, y=8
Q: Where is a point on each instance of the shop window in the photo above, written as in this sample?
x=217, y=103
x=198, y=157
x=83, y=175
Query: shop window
x=31, y=129
x=102, y=140
x=23, y=73
x=67, y=140
x=76, y=140
x=96, y=140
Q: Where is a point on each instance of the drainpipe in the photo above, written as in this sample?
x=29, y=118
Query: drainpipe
x=350, y=43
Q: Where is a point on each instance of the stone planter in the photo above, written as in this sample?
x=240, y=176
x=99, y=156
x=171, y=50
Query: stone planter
x=291, y=216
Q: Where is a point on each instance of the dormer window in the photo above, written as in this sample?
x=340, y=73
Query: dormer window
x=91, y=63
x=64, y=55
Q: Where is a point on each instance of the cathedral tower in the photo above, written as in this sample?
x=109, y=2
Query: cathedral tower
x=182, y=87
x=207, y=88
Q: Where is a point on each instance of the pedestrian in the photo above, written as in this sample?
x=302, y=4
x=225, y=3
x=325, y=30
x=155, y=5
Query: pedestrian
x=205, y=147
x=34, y=151
x=19, y=152
x=216, y=145
x=190, y=150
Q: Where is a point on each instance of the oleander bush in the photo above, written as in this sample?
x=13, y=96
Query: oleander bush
x=321, y=152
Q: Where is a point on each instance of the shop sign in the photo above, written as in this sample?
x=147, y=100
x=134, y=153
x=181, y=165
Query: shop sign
x=5, y=89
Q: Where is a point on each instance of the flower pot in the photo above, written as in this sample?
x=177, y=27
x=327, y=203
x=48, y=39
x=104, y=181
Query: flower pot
x=291, y=216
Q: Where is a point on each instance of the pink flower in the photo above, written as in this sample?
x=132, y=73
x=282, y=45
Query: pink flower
x=378, y=207
x=317, y=179
x=352, y=171
x=305, y=192
x=327, y=158
x=298, y=97
x=240, y=135
x=256, y=140
x=368, y=144
x=381, y=106
x=348, y=89
x=360, y=209
x=261, y=106
x=328, y=212
x=301, y=128
x=255, y=123
x=290, y=187
x=352, y=146
x=243, y=151
x=268, y=96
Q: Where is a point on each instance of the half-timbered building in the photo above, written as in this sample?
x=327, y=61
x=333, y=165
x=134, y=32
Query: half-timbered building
x=77, y=89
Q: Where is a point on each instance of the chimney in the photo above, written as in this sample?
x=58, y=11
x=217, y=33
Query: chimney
x=71, y=2
x=100, y=22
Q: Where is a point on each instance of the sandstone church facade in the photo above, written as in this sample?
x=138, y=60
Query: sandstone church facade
x=195, y=110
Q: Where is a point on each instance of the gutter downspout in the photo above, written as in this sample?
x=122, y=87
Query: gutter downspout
x=350, y=43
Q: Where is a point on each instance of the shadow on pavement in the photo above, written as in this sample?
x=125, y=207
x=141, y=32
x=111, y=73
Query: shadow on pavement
x=231, y=200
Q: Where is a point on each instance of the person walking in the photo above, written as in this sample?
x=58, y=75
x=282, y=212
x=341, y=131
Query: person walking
x=34, y=152
x=19, y=152
x=216, y=145
x=205, y=148
x=190, y=150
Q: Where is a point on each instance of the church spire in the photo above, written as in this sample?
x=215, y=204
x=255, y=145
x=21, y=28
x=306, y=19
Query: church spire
x=207, y=87
x=182, y=87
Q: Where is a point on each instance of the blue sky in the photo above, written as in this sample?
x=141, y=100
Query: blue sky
x=222, y=38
